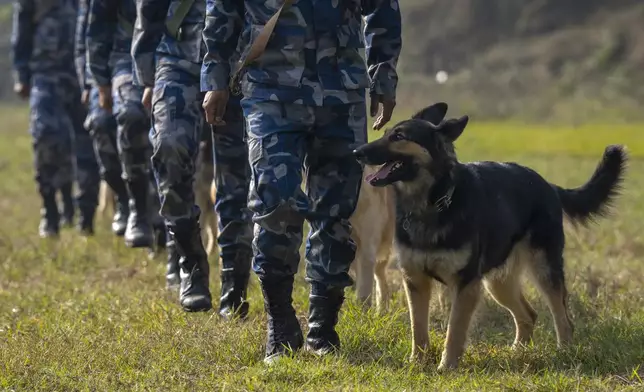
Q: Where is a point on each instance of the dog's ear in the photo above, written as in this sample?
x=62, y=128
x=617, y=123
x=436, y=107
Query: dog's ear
x=433, y=114
x=453, y=128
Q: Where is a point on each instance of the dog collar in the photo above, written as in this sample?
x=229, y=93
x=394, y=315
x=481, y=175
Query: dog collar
x=444, y=201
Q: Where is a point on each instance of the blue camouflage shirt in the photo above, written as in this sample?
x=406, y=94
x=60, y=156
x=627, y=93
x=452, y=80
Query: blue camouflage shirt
x=313, y=56
x=109, y=38
x=152, y=44
x=42, y=39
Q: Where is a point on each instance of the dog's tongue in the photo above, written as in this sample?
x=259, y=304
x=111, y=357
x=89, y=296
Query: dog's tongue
x=382, y=173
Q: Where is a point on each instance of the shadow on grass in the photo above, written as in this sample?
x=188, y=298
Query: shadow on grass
x=602, y=347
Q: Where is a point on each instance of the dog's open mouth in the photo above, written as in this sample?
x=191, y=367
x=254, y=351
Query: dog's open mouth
x=384, y=173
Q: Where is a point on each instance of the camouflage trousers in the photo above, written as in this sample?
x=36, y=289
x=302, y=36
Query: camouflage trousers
x=133, y=131
x=285, y=140
x=232, y=179
x=102, y=127
x=62, y=148
x=121, y=140
x=177, y=130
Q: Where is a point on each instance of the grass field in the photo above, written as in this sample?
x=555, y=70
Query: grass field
x=94, y=315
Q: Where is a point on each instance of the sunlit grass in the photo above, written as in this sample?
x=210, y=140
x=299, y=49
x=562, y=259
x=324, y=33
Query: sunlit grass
x=95, y=316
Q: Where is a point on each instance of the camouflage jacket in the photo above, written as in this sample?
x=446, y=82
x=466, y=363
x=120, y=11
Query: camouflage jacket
x=109, y=38
x=80, y=47
x=313, y=56
x=153, y=42
x=42, y=40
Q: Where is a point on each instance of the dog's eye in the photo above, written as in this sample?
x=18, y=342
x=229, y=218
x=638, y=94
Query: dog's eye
x=396, y=136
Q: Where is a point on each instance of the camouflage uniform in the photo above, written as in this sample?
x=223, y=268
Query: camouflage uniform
x=170, y=60
x=101, y=125
x=43, y=58
x=304, y=101
x=109, y=40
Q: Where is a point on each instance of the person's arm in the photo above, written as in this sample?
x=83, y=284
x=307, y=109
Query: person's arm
x=383, y=38
x=149, y=27
x=101, y=27
x=224, y=23
x=80, y=44
x=22, y=37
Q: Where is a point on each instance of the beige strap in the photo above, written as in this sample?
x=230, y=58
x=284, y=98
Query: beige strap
x=258, y=46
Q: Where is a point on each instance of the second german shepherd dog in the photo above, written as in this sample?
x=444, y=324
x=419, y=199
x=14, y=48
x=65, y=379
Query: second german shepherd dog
x=470, y=225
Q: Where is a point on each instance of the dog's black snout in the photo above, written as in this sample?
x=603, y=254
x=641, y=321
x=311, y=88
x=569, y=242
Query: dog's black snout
x=359, y=153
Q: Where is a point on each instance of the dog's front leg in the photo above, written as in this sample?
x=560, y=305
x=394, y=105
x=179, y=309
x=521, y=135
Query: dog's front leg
x=418, y=290
x=464, y=302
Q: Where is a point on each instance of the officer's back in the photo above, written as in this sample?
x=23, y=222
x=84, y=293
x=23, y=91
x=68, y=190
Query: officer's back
x=52, y=24
x=313, y=56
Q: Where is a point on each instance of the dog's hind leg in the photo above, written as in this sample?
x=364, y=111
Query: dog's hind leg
x=506, y=291
x=443, y=298
x=464, y=304
x=418, y=290
x=547, y=273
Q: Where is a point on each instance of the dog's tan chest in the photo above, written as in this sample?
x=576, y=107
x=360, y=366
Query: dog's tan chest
x=444, y=264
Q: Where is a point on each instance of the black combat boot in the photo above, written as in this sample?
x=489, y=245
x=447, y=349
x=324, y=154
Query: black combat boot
x=172, y=279
x=67, y=218
x=283, y=334
x=324, y=306
x=121, y=208
x=194, y=293
x=138, y=233
x=234, y=283
x=50, y=217
x=86, y=221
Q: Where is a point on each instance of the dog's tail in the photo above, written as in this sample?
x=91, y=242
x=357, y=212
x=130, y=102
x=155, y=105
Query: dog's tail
x=593, y=199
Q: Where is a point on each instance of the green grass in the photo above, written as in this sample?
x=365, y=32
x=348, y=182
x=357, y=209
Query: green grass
x=93, y=315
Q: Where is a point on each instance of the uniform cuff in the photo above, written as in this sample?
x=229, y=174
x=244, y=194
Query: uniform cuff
x=101, y=80
x=22, y=76
x=384, y=80
x=144, y=68
x=215, y=77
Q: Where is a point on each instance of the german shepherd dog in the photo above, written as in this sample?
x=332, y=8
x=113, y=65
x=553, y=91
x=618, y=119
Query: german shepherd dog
x=470, y=225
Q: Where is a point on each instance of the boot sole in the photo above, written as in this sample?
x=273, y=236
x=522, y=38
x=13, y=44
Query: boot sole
x=321, y=352
x=196, y=310
x=202, y=305
x=139, y=243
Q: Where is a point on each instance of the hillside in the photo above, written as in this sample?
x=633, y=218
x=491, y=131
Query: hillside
x=571, y=60
x=574, y=60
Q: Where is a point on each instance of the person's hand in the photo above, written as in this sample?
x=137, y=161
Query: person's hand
x=22, y=90
x=85, y=97
x=383, y=108
x=147, y=99
x=214, y=106
x=105, y=98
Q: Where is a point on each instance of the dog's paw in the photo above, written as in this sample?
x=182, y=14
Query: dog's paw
x=447, y=364
x=418, y=357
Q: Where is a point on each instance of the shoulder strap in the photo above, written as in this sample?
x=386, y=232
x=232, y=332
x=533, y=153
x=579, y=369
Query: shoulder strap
x=258, y=46
x=173, y=25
